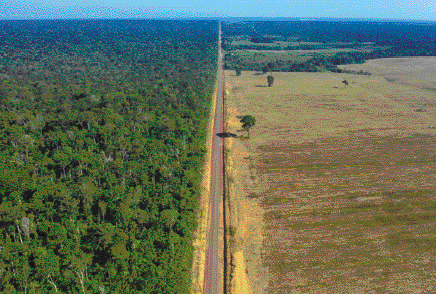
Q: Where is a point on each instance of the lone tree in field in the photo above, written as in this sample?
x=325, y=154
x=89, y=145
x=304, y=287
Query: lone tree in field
x=265, y=69
x=345, y=83
x=238, y=70
x=247, y=122
x=270, y=80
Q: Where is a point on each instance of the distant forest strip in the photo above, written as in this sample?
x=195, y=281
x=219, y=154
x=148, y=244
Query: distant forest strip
x=102, y=140
x=381, y=33
x=386, y=39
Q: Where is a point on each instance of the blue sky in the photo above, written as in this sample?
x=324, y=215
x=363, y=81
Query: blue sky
x=60, y=9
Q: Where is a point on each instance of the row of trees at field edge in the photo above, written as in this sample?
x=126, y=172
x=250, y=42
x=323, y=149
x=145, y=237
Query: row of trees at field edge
x=321, y=63
x=390, y=39
x=102, y=131
x=328, y=34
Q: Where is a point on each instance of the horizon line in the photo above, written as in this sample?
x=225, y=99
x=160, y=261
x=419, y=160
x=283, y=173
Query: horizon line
x=232, y=18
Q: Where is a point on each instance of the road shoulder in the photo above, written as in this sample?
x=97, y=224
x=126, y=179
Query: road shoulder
x=200, y=237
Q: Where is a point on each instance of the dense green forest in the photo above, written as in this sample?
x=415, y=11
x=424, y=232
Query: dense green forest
x=101, y=142
x=383, y=39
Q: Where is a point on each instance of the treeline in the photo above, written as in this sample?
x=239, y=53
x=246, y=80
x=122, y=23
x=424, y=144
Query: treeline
x=380, y=33
x=101, y=142
x=315, y=64
x=392, y=39
x=321, y=62
x=228, y=46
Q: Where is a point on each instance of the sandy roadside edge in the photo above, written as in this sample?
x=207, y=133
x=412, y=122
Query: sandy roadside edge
x=238, y=280
x=244, y=217
x=199, y=241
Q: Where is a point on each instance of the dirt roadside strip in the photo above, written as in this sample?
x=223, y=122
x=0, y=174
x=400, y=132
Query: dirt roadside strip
x=200, y=244
x=237, y=279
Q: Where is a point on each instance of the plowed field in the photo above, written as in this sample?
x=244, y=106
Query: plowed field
x=345, y=177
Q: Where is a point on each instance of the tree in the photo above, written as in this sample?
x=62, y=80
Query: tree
x=247, y=122
x=265, y=69
x=62, y=159
x=47, y=263
x=270, y=80
x=238, y=70
x=268, y=67
x=78, y=263
x=169, y=216
x=345, y=82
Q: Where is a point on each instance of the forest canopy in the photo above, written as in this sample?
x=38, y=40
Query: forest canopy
x=101, y=142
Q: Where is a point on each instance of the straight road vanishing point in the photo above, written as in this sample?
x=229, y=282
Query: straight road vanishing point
x=214, y=268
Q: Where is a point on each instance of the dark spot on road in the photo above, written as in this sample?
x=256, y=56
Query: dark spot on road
x=226, y=135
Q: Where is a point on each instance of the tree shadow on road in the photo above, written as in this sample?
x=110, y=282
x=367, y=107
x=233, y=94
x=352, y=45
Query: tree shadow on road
x=227, y=135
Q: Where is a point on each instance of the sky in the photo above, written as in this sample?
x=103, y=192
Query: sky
x=133, y=9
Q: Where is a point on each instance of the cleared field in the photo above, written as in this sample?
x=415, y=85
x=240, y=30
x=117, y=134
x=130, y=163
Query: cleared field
x=418, y=71
x=270, y=55
x=300, y=52
x=275, y=43
x=257, y=57
x=341, y=181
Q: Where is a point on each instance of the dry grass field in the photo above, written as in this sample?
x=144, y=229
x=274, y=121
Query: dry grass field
x=335, y=191
x=418, y=71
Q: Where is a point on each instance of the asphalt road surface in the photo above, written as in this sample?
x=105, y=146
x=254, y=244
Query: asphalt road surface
x=214, y=267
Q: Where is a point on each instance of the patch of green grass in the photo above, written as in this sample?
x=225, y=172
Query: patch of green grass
x=255, y=60
x=260, y=45
x=409, y=219
x=232, y=231
x=280, y=200
x=410, y=241
x=430, y=89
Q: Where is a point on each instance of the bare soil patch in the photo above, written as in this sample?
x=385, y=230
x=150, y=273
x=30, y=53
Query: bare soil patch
x=346, y=182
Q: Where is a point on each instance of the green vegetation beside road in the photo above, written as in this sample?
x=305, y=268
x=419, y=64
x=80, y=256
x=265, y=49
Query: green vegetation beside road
x=102, y=137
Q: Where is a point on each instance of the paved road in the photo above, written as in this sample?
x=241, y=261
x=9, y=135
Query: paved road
x=214, y=268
